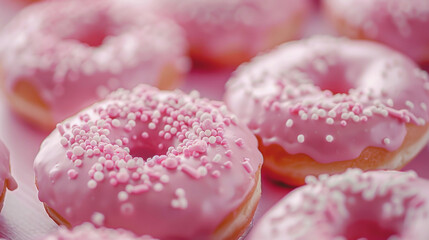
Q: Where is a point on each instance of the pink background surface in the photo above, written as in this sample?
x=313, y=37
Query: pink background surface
x=23, y=216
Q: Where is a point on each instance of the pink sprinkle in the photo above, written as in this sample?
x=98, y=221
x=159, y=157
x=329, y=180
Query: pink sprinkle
x=60, y=129
x=109, y=164
x=228, y=164
x=216, y=174
x=190, y=171
x=72, y=174
x=239, y=142
x=123, y=176
x=140, y=188
x=228, y=153
x=113, y=182
x=343, y=123
x=248, y=167
x=170, y=163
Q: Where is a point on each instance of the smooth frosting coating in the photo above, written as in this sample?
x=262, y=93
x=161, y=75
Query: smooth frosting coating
x=87, y=231
x=401, y=24
x=353, y=205
x=6, y=178
x=222, y=26
x=330, y=98
x=154, y=162
x=74, y=55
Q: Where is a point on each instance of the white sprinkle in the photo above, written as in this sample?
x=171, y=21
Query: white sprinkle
x=386, y=141
x=152, y=125
x=332, y=113
x=212, y=139
x=116, y=123
x=314, y=116
x=217, y=158
x=64, y=141
x=304, y=116
x=300, y=138
x=202, y=171
x=78, y=151
x=180, y=192
x=289, y=123
x=409, y=104
x=97, y=218
x=131, y=116
x=329, y=138
x=122, y=196
x=423, y=106
x=156, y=114
x=165, y=178
x=98, y=176
x=92, y=184
x=158, y=187
x=329, y=121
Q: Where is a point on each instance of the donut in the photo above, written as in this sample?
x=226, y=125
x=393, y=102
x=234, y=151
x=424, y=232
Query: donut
x=166, y=164
x=325, y=104
x=87, y=231
x=353, y=205
x=225, y=33
x=6, y=179
x=57, y=57
x=400, y=24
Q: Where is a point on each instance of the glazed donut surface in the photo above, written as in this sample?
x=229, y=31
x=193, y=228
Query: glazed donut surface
x=57, y=57
x=330, y=100
x=400, y=24
x=354, y=205
x=151, y=162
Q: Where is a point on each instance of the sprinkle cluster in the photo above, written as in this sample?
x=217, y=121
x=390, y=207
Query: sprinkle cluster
x=186, y=133
x=334, y=200
x=129, y=36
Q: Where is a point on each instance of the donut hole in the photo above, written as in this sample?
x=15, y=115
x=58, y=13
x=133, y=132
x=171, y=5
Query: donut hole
x=368, y=229
x=368, y=220
x=87, y=30
x=147, y=150
x=334, y=78
x=92, y=36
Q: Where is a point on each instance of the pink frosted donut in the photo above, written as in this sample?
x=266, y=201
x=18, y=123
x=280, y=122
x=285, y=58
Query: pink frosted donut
x=6, y=179
x=400, y=24
x=323, y=105
x=57, y=57
x=170, y=165
x=229, y=32
x=353, y=205
x=87, y=231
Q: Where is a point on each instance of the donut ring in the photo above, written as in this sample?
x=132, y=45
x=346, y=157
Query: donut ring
x=152, y=162
x=219, y=31
x=352, y=205
x=87, y=231
x=6, y=179
x=400, y=24
x=51, y=71
x=323, y=105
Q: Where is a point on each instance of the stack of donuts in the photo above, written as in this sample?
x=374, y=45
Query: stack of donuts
x=132, y=150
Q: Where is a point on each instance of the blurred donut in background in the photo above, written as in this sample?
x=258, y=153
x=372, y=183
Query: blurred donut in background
x=225, y=33
x=57, y=57
x=400, y=24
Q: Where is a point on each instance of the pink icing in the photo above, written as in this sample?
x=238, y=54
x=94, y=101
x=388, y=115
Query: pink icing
x=401, y=24
x=6, y=179
x=87, y=231
x=160, y=163
x=222, y=26
x=89, y=51
x=330, y=98
x=354, y=205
